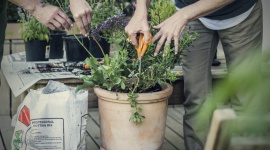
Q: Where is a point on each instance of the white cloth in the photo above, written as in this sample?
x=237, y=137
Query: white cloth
x=225, y=24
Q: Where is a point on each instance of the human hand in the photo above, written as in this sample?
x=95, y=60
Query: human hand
x=52, y=16
x=138, y=24
x=82, y=14
x=170, y=29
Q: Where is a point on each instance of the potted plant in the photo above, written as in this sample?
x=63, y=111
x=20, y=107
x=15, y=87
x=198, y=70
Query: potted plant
x=132, y=102
x=35, y=36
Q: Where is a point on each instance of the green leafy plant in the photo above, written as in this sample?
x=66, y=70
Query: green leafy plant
x=31, y=29
x=161, y=10
x=102, y=10
x=120, y=73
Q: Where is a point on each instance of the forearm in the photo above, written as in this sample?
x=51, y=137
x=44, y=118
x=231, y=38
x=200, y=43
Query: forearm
x=202, y=8
x=29, y=5
x=141, y=7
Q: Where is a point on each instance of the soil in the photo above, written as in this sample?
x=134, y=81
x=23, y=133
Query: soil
x=156, y=88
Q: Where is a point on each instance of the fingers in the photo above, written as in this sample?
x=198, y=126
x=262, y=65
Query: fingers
x=89, y=19
x=176, y=45
x=83, y=22
x=86, y=25
x=67, y=21
x=158, y=26
x=56, y=24
x=146, y=34
x=63, y=23
x=51, y=26
x=80, y=25
x=133, y=39
x=159, y=44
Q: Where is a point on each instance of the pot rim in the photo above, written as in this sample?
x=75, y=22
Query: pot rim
x=118, y=97
x=70, y=36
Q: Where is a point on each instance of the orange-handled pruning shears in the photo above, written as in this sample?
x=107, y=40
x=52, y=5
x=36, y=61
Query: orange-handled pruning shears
x=141, y=48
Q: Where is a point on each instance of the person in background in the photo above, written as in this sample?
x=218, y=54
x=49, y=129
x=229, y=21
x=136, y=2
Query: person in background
x=49, y=15
x=236, y=23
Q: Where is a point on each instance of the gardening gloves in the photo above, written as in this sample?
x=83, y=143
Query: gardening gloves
x=82, y=14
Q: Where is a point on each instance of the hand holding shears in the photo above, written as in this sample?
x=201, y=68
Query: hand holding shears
x=142, y=45
x=141, y=48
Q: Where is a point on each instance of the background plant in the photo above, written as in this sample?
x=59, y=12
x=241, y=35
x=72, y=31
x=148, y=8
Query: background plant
x=31, y=29
x=12, y=14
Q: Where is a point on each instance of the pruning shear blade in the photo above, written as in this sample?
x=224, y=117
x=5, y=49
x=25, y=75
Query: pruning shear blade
x=141, y=48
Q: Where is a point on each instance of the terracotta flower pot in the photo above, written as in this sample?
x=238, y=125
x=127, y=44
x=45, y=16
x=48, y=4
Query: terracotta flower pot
x=118, y=133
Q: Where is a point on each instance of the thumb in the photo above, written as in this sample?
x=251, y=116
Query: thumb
x=158, y=26
x=146, y=36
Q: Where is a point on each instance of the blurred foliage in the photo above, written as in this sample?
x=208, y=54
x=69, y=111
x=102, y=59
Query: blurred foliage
x=250, y=79
x=12, y=15
x=102, y=10
x=160, y=10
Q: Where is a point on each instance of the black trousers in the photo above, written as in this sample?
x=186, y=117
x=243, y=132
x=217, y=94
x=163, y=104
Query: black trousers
x=3, y=24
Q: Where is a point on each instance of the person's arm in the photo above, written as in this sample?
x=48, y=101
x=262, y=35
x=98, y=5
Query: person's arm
x=139, y=23
x=49, y=15
x=172, y=27
x=82, y=14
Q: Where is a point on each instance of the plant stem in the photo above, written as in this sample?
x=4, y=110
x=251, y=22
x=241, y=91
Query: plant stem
x=99, y=46
x=82, y=44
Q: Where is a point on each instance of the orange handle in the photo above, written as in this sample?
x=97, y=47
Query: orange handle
x=140, y=45
x=145, y=45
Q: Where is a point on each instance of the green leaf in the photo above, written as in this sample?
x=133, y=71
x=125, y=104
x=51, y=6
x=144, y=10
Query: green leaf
x=106, y=60
x=123, y=86
x=85, y=85
x=116, y=80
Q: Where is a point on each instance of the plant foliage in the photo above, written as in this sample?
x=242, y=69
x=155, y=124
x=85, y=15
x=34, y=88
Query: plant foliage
x=120, y=73
x=31, y=29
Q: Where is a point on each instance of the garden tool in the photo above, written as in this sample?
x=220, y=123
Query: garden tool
x=141, y=48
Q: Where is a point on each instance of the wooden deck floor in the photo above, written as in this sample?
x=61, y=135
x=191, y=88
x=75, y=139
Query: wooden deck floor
x=173, y=135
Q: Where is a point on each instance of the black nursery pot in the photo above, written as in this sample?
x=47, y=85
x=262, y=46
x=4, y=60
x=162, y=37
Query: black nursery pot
x=35, y=50
x=56, y=44
x=95, y=50
x=74, y=50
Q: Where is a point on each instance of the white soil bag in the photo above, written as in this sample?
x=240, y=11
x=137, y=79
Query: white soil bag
x=53, y=117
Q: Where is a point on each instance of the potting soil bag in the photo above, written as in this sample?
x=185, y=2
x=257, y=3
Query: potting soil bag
x=53, y=117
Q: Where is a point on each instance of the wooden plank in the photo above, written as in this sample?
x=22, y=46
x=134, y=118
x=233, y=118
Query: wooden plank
x=5, y=121
x=90, y=144
x=174, y=139
x=175, y=126
x=179, y=108
x=168, y=146
x=6, y=131
x=93, y=130
x=177, y=116
x=12, y=31
x=7, y=136
x=1, y=143
x=15, y=102
x=4, y=98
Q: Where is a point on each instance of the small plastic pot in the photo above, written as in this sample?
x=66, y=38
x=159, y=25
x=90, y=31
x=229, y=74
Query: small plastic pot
x=95, y=50
x=56, y=44
x=35, y=50
x=74, y=50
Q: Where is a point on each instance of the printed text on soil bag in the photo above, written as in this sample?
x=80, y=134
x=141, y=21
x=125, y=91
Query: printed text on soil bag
x=47, y=133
